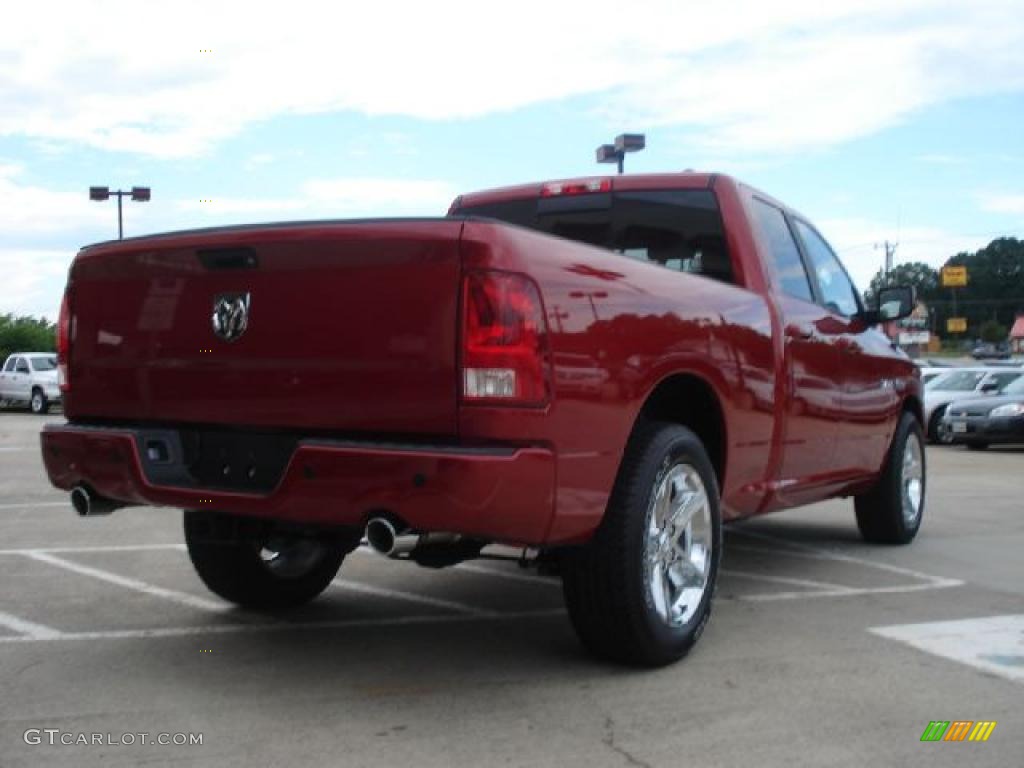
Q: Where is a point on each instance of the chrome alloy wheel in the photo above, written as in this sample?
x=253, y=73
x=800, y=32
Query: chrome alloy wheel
x=677, y=549
x=912, y=479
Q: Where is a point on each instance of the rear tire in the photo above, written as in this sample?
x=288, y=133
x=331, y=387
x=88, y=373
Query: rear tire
x=640, y=591
x=891, y=512
x=38, y=402
x=249, y=563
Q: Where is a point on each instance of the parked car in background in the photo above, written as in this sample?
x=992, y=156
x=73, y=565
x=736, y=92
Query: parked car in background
x=981, y=421
x=991, y=352
x=929, y=372
x=30, y=378
x=959, y=384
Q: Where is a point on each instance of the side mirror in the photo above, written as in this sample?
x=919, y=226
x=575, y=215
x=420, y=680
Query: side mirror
x=892, y=303
x=989, y=387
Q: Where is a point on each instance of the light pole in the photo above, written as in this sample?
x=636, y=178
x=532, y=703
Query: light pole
x=138, y=194
x=616, y=153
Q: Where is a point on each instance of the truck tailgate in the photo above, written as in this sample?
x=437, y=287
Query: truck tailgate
x=351, y=327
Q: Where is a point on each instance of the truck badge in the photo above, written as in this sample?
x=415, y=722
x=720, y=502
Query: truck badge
x=230, y=315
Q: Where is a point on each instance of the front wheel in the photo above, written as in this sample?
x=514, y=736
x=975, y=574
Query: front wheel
x=937, y=431
x=891, y=512
x=38, y=402
x=640, y=591
x=255, y=566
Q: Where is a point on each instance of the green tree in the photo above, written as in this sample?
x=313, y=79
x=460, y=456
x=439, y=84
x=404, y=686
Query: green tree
x=992, y=331
x=26, y=334
x=995, y=283
x=925, y=280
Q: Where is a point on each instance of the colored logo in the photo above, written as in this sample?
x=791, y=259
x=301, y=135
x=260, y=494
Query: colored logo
x=958, y=730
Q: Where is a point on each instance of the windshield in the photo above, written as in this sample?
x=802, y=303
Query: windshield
x=1015, y=387
x=957, y=381
x=680, y=229
x=44, y=362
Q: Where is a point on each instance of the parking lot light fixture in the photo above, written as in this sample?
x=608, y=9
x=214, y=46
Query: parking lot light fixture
x=138, y=194
x=616, y=153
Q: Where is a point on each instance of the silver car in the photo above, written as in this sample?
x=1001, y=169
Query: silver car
x=957, y=384
x=30, y=377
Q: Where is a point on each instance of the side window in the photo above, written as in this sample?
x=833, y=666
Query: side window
x=22, y=366
x=1002, y=379
x=789, y=267
x=837, y=292
x=9, y=365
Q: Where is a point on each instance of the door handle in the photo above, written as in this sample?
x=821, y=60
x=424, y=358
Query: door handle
x=799, y=331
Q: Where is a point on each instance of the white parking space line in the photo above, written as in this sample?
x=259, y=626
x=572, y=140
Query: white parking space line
x=818, y=585
x=412, y=597
x=846, y=592
x=27, y=630
x=225, y=629
x=994, y=644
x=36, y=505
x=173, y=595
x=100, y=548
x=796, y=549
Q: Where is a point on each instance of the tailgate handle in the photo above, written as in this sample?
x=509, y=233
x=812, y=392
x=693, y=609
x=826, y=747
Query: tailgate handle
x=228, y=258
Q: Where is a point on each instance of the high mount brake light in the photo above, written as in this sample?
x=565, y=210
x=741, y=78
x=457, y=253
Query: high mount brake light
x=504, y=340
x=583, y=187
x=64, y=343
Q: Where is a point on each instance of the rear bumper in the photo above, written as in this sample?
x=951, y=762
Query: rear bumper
x=496, y=493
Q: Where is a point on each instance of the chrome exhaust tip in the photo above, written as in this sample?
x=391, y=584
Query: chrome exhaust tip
x=385, y=538
x=88, y=505
x=81, y=500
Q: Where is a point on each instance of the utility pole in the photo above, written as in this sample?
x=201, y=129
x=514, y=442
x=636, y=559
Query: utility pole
x=890, y=253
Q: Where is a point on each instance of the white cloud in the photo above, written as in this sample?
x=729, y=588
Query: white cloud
x=336, y=198
x=1009, y=203
x=941, y=159
x=258, y=160
x=33, y=277
x=33, y=280
x=746, y=75
x=27, y=209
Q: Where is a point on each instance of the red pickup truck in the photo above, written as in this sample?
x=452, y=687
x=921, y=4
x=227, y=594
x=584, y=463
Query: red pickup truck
x=600, y=371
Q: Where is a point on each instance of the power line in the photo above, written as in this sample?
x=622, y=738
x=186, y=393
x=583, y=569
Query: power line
x=874, y=243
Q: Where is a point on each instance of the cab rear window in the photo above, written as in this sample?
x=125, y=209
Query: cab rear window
x=678, y=229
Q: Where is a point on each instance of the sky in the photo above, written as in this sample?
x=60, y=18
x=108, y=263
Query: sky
x=894, y=120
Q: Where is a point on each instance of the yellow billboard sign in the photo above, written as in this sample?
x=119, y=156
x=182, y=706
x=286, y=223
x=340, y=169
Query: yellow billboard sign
x=956, y=325
x=954, y=277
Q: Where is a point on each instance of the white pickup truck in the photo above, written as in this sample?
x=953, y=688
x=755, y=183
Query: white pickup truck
x=30, y=377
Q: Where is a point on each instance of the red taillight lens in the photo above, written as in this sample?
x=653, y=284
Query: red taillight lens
x=64, y=344
x=504, y=340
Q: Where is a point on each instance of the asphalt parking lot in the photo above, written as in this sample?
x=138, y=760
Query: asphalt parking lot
x=822, y=650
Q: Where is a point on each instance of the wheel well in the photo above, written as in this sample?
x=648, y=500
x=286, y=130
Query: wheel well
x=914, y=406
x=690, y=401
